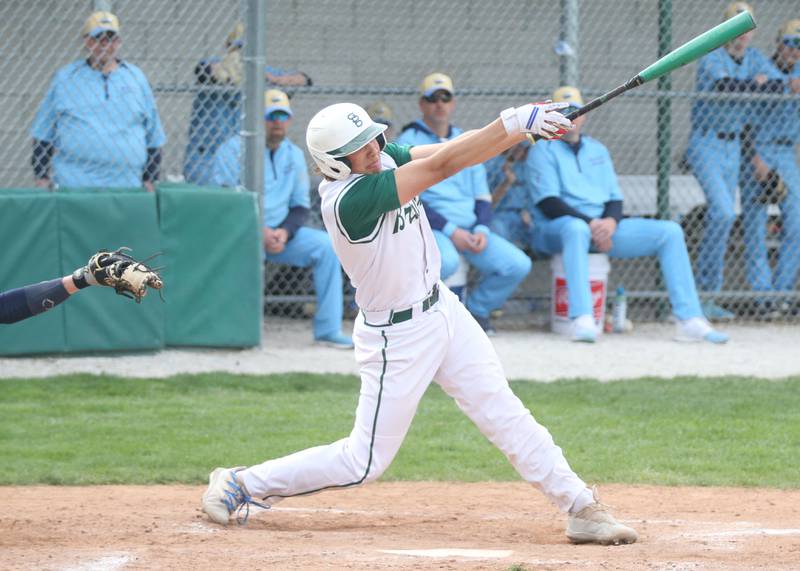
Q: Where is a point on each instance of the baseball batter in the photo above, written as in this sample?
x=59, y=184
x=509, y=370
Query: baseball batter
x=411, y=329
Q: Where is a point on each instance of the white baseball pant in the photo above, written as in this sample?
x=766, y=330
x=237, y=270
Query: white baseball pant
x=397, y=364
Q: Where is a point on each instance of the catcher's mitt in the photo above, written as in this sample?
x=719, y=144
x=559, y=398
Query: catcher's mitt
x=773, y=189
x=128, y=276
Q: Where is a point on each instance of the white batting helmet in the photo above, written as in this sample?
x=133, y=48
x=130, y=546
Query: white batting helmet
x=337, y=131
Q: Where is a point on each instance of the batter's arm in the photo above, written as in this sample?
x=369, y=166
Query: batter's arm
x=432, y=164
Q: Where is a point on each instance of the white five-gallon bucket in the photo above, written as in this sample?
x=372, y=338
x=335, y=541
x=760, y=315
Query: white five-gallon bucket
x=598, y=282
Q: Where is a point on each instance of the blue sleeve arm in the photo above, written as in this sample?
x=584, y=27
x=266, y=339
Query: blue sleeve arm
x=437, y=221
x=40, y=160
x=294, y=220
x=483, y=213
x=613, y=209
x=22, y=303
x=152, y=167
x=553, y=207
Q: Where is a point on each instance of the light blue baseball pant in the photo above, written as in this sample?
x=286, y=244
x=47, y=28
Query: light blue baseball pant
x=509, y=225
x=634, y=238
x=754, y=216
x=502, y=266
x=311, y=247
x=715, y=164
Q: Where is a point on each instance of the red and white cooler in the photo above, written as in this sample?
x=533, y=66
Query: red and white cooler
x=598, y=283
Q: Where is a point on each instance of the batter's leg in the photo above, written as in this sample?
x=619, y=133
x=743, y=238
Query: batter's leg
x=471, y=373
x=397, y=364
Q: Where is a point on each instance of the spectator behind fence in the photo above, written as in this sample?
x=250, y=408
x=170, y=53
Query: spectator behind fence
x=216, y=105
x=380, y=112
x=578, y=209
x=714, y=151
x=460, y=210
x=770, y=175
x=286, y=206
x=98, y=125
x=511, y=197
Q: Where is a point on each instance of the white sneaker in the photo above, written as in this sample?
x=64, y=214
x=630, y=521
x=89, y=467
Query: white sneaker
x=584, y=329
x=594, y=524
x=698, y=329
x=225, y=495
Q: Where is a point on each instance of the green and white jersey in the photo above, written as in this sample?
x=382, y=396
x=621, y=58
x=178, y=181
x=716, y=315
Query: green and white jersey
x=386, y=248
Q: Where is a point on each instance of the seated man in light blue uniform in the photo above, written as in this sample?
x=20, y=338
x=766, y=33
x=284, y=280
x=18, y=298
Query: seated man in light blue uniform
x=98, y=125
x=578, y=208
x=511, y=198
x=216, y=105
x=714, y=151
x=286, y=205
x=459, y=210
x=777, y=134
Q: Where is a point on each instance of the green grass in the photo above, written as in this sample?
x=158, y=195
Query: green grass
x=84, y=429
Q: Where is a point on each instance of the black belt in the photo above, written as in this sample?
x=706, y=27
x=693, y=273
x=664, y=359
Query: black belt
x=727, y=136
x=399, y=316
x=406, y=314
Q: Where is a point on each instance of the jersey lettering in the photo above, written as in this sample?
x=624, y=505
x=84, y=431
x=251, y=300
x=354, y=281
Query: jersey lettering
x=406, y=215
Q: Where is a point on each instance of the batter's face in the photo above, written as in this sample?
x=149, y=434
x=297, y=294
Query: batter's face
x=437, y=107
x=367, y=159
x=103, y=48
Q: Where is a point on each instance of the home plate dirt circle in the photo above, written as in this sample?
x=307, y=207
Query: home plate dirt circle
x=394, y=525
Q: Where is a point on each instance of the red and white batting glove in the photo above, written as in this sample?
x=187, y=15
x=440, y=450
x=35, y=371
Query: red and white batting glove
x=541, y=119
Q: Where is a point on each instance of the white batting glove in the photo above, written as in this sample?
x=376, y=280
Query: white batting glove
x=541, y=119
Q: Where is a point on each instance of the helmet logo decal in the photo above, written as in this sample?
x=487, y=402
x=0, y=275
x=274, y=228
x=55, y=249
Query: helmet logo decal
x=355, y=119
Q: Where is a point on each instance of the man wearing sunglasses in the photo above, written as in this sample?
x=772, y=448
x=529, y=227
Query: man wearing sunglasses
x=460, y=210
x=578, y=209
x=776, y=131
x=98, y=125
x=286, y=204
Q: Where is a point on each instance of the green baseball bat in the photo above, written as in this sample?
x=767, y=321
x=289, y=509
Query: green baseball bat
x=688, y=52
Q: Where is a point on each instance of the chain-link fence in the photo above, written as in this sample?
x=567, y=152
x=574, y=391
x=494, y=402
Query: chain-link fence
x=685, y=148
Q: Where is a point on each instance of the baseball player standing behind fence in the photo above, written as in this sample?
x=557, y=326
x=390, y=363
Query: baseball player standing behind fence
x=777, y=133
x=98, y=123
x=411, y=328
x=714, y=151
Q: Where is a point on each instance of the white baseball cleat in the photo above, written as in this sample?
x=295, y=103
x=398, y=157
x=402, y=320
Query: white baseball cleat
x=225, y=495
x=594, y=524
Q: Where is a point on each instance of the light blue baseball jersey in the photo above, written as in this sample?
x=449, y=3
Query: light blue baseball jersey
x=454, y=198
x=517, y=197
x=584, y=180
x=286, y=182
x=100, y=125
x=779, y=120
x=724, y=115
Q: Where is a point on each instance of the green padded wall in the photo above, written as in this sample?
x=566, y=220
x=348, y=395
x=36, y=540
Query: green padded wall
x=29, y=234
x=212, y=252
x=98, y=319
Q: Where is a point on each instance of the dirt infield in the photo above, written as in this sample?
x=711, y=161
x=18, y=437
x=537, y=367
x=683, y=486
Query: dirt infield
x=394, y=526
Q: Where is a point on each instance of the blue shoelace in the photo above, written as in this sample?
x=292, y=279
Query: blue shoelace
x=236, y=500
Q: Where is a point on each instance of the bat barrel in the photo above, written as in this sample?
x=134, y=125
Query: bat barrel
x=701, y=45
